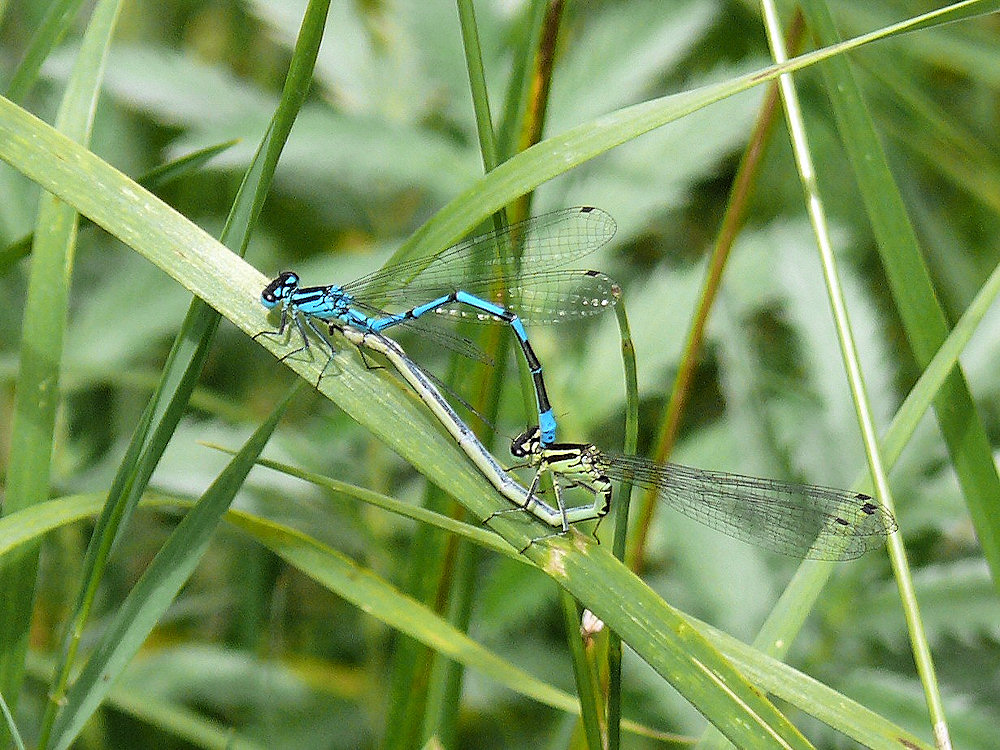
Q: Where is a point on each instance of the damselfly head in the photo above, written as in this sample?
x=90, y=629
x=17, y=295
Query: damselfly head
x=526, y=444
x=281, y=288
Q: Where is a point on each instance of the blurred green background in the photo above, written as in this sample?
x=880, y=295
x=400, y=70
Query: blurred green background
x=386, y=138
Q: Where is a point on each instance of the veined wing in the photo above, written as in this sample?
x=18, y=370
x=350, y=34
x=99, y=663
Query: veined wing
x=800, y=520
x=540, y=243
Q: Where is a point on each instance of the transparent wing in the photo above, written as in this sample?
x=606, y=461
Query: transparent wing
x=486, y=266
x=800, y=520
x=543, y=298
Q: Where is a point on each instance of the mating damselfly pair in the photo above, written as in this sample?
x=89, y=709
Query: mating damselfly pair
x=482, y=279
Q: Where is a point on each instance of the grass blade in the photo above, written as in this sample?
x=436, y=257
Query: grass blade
x=59, y=17
x=913, y=291
x=192, y=257
x=558, y=154
x=183, y=366
x=157, y=588
x=37, y=396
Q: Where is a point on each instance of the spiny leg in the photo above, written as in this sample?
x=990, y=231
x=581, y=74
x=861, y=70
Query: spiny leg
x=283, y=323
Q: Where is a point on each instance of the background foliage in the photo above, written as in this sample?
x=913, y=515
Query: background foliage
x=385, y=138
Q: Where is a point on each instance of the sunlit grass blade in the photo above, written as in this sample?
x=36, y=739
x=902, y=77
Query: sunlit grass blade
x=152, y=180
